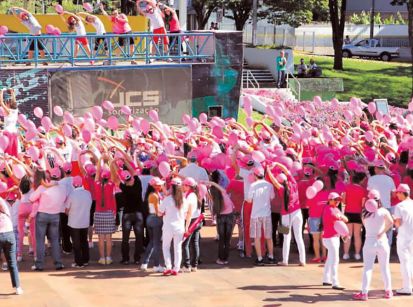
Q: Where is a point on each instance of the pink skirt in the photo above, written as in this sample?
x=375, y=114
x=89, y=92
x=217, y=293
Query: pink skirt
x=12, y=148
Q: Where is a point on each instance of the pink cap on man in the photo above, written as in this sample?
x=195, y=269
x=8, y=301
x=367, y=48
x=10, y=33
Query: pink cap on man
x=403, y=188
x=77, y=181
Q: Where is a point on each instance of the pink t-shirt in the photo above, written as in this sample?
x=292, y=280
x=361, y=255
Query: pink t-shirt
x=329, y=218
x=109, y=202
x=303, y=184
x=90, y=185
x=354, y=197
x=49, y=200
x=228, y=205
x=294, y=203
x=120, y=24
x=317, y=204
x=236, y=191
x=174, y=25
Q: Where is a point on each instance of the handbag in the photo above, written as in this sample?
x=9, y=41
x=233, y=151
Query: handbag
x=285, y=230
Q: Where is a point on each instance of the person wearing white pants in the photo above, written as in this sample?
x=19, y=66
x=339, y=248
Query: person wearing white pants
x=331, y=240
x=295, y=219
x=377, y=221
x=176, y=215
x=403, y=219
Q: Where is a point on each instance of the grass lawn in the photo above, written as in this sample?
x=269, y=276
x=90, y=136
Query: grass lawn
x=367, y=79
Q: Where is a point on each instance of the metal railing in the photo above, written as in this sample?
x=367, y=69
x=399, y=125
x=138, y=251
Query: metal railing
x=110, y=48
x=249, y=79
x=296, y=89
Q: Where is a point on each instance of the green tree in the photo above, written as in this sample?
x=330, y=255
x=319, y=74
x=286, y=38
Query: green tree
x=320, y=11
x=203, y=10
x=240, y=12
x=409, y=4
x=292, y=12
x=338, y=20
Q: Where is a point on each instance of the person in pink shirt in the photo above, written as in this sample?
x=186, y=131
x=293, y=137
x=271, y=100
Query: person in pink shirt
x=354, y=197
x=291, y=215
x=105, y=214
x=331, y=240
x=235, y=190
x=171, y=19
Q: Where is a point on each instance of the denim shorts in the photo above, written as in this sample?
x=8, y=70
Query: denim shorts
x=314, y=224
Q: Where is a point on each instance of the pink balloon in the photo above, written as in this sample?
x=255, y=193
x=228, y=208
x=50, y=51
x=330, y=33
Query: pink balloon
x=232, y=139
x=372, y=107
x=38, y=112
x=3, y=30
x=47, y=123
x=58, y=8
x=250, y=121
x=97, y=112
x=311, y=192
x=369, y=136
x=108, y=106
x=348, y=115
x=58, y=110
x=193, y=125
x=358, y=111
x=57, y=31
x=170, y=147
x=371, y=205
x=220, y=161
x=258, y=156
x=4, y=142
x=67, y=130
x=88, y=7
x=136, y=124
x=89, y=124
x=18, y=171
x=341, y=228
x=113, y=122
x=68, y=118
x=86, y=135
x=153, y=115
x=3, y=187
x=126, y=110
x=186, y=118
x=247, y=105
x=164, y=169
x=217, y=131
x=354, y=103
x=34, y=153
x=50, y=29
x=318, y=185
x=203, y=118
x=144, y=125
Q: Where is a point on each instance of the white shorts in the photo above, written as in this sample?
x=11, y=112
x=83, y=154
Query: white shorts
x=261, y=223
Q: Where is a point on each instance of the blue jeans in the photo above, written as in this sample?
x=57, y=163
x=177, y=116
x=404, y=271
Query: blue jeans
x=47, y=223
x=280, y=78
x=225, y=224
x=154, y=228
x=192, y=242
x=8, y=246
x=129, y=221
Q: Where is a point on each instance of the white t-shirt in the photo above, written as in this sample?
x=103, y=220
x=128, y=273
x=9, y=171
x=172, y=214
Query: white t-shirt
x=68, y=183
x=173, y=217
x=192, y=201
x=261, y=193
x=385, y=185
x=245, y=174
x=404, y=211
x=376, y=222
x=80, y=29
x=10, y=121
x=156, y=19
x=32, y=24
x=79, y=203
x=194, y=171
x=99, y=26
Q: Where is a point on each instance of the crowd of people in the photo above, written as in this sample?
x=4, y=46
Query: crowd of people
x=345, y=182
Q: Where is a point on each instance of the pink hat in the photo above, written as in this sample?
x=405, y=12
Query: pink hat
x=90, y=169
x=55, y=173
x=125, y=175
x=307, y=160
x=189, y=181
x=308, y=171
x=148, y=164
x=390, y=156
x=333, y=195
x=373, y=194
x=259, y=172
x=265, y=135
x=156, y=181
x=281, y=178
x=291, y=152
x=176, y=181
x=332, y=165
x=59, y=140
x=403, y=188
x=379, y=163
x=105, y=173
x=77, y=181
x=67, y=167
x=192, y=155
x=247, y=159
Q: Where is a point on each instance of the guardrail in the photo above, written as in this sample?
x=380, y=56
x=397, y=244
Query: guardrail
x=250, y=79
x=188, y=47
x=294, y=90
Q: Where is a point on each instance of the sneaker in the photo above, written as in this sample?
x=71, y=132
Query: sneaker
x=240, y=245
x=226, y=262
x=158, y=269
x=35, y=268
x=133, y=62
x=102, y=261
x=259, y=262
x=403, y=292
x=327, y=284
x=346, y=257
x=360, y=296
x=174, y=273
x=388, y=294
x=60, y=267
x=19, y=291
x=45, y=64
x=19, y=258
x=109, y=260
x=167, y=272
x=144, y=267
x=301, y=264
x=75, y=265
x=4, y=266
x=337, y=287
x=186, y=270
x=90, y=244
x=220, y=262
x=92, y=62
x=66, y=253
x=193, y=269
x=241, y=254
x=315, y=260
x=323, y=259
x=270, y=260
x=357, y=257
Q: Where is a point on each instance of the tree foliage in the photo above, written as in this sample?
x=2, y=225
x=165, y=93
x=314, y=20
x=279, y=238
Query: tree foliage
x=203, y=10
x=240, y=12
x=320, y=11
x=292, y=12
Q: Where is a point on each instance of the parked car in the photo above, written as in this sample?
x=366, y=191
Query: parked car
x=370, y=48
